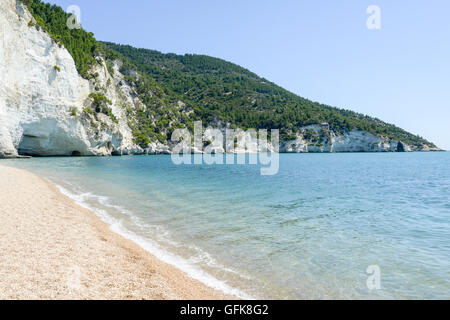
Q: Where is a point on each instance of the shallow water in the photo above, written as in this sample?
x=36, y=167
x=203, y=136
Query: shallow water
x=311, y=231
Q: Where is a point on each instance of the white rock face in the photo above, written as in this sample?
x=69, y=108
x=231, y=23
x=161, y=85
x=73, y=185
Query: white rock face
x=318, y=138
x=36, y=99
x=311, y=139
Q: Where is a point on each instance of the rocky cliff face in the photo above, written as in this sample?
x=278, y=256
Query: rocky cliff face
x=319, y=138
x=46, y=106
x=42, y=96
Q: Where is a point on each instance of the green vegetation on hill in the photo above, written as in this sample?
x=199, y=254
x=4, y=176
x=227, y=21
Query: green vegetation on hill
x=219, y=90
x=176, y=90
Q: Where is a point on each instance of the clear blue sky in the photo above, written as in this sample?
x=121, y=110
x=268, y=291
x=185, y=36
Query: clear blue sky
x=321, y=49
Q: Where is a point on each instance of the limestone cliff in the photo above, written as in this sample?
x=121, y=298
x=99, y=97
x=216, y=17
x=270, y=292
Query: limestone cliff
x=42, y=96
x=319, y=138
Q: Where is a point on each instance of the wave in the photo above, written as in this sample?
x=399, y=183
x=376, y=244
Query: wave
x=188, y=266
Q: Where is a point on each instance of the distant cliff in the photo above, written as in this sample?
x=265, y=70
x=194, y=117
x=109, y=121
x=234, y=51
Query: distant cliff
x=64, y=93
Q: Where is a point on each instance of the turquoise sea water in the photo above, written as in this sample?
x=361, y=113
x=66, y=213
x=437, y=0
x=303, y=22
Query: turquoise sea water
x=311, y=231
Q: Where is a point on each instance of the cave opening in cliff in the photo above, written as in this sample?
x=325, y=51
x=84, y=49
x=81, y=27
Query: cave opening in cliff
x=76, y=153
x=400, y=147
x=29, y=146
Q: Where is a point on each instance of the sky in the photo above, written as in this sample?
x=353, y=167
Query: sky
x=321, y=50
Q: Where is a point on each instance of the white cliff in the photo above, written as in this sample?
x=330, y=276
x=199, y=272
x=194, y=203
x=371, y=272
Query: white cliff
x=319, y=138
x=42, y=96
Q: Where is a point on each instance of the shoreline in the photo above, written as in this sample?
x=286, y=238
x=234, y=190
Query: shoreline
x=53, y=248
x=245, y=153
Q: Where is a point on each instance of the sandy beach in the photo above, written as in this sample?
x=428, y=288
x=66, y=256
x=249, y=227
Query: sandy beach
x=52, y=248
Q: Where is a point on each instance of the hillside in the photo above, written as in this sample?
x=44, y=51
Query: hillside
x=217, y=89
x=147, y=94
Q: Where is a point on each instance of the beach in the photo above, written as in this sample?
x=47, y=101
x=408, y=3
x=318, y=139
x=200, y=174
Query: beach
x=310, y=232
x=52, y=248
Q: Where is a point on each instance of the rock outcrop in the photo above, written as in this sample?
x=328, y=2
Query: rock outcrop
x=319, y=138
x=42, y=96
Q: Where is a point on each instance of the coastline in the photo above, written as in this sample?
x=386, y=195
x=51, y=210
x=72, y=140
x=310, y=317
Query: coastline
x=53, y=248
